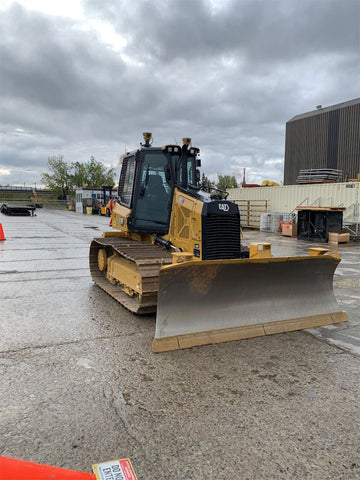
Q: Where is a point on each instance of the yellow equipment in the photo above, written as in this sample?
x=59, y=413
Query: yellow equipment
x=176, y=249
x=35, y=200
x=104, y=205
x=269, y=183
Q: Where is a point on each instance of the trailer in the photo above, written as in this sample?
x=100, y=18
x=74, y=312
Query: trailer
x=19, y=210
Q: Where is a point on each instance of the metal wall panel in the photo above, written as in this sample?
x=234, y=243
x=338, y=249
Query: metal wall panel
x=333, y=139
x=349, y=141
x=285, y=199
x=325, y=138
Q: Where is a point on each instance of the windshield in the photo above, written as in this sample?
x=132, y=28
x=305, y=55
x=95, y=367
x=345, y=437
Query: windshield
x=154, y=165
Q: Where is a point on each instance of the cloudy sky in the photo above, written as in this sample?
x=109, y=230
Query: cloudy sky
x=87, y=77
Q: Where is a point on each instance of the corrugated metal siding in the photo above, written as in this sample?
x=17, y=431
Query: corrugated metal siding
x=349, y=140
x=305, y=145
x=333, y=139
x=326, y=138
x=285, y=199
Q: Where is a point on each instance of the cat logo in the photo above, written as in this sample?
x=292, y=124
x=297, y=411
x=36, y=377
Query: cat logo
x=224, y=206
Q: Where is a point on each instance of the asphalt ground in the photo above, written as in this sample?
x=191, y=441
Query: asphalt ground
x=80, y=385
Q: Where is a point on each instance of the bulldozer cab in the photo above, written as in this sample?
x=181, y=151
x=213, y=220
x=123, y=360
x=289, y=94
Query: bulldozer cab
x=148, y=179
x=146, y=187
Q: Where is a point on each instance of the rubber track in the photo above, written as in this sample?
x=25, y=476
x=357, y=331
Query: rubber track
x=149, y=259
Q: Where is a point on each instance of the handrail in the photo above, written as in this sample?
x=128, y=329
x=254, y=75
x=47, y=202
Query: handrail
x=305, y=200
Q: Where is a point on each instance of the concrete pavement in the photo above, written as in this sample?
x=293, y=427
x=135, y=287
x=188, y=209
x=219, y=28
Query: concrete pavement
x=80, y=384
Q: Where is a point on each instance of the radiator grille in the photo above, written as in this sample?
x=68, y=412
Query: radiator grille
x=222, y=237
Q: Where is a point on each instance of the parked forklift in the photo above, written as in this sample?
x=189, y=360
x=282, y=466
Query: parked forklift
x=105, y=203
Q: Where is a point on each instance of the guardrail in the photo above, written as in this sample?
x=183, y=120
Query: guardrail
x=56, y=204
x=351, y=221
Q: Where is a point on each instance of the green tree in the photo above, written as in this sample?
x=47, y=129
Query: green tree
x=95, y=174
x=59, y=180
x=206, y=183
x=79, y=174
x=64, y=178
x=226, y=181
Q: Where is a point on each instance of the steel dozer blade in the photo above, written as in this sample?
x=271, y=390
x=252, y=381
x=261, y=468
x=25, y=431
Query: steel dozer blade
x=209, y=302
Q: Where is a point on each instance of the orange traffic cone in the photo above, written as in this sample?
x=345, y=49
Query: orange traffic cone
x=2, y=236
x=12, y=469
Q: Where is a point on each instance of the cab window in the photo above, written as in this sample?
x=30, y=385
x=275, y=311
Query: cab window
x=126, y=182
x=190, y=170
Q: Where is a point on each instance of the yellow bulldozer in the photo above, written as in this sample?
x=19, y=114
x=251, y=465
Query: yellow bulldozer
x=176, y=249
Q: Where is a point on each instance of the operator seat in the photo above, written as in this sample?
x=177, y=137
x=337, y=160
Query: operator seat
x=157, y=194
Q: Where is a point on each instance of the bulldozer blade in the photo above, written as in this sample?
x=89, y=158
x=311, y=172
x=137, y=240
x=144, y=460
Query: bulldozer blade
x=209, y=302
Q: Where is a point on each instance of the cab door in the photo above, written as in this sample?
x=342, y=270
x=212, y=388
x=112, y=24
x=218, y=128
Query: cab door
x=152, y=205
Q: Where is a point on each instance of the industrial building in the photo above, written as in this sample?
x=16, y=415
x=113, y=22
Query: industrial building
x=326, y=138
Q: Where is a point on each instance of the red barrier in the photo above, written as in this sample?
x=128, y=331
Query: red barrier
x=13, y=469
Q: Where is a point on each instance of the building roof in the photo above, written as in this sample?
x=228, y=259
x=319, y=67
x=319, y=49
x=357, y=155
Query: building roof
x=321, y=110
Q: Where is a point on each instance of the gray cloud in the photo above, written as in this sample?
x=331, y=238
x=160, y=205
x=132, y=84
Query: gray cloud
x=229, y=74
x=258, y=30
